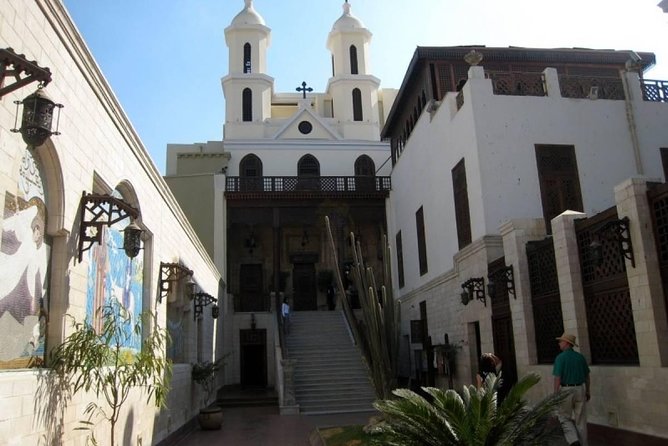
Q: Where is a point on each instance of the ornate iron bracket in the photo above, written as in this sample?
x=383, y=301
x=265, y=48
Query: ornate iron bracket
x=20, y=65
x=500, y=278
x=201, y=300
x=474, y=288
x=617, y=231
x=98, y=211
x=170, y=274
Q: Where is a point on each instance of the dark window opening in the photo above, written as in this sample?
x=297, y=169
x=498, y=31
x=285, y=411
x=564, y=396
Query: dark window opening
x=353, y=60
x=247, y=105
x=250, y=171
x=247, y=58
x=400, y=259
x=461, y=198
x=357, y=105
x=422, y=242
x=308, y=171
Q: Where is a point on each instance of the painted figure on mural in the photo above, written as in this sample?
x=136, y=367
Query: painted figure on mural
x=24, y=257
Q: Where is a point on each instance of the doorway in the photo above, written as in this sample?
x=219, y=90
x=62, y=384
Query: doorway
x=304, y=287
x=253, y=358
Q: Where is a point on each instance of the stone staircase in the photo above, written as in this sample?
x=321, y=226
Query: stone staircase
x=330, y=375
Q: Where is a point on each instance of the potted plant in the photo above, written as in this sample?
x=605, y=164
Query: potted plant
x=204, y=374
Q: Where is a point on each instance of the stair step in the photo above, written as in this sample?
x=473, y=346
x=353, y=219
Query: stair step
x=330, y=375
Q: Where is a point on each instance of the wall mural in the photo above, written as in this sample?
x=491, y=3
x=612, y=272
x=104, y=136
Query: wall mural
x=112, y=275
x=24, y=259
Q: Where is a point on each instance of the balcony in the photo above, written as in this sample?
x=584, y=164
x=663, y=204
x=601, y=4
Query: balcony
x=307, y=187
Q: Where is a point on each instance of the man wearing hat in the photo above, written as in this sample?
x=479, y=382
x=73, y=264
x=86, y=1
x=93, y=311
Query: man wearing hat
x=571, y=373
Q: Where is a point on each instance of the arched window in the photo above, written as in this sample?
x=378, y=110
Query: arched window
x=353, y=60
x=308, y=166
x=247, y=105
x=357, y=105
x=364, y=166
x=250, y=171
x=308, y=171
x=365, y=171
x=247, y=58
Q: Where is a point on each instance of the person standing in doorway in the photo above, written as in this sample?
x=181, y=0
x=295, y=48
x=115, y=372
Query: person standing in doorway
x=285, y=314
x=490, y=363
x=571, y=374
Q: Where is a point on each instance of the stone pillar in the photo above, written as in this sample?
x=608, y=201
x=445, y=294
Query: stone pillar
x=551, y=82
x=645, y=287
x=570, y=278
x=516, y=234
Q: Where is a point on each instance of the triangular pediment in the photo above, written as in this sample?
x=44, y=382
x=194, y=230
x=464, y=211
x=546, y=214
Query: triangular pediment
x=305, y=124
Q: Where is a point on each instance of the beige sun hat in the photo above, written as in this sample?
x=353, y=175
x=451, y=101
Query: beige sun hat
x=568, y=338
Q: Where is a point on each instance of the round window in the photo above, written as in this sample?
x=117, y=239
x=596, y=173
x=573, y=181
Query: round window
x=305, y=127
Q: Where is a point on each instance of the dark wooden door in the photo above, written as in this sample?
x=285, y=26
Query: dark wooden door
x=504, y=348
x=303, y=283
x=502, y=322
x=250, y=288
x=253, y=358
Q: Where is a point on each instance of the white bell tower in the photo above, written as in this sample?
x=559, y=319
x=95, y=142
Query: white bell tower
x=353, y=89
x=247, y=87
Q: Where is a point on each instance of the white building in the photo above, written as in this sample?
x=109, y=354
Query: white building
x=511, y=138
x=51, y=264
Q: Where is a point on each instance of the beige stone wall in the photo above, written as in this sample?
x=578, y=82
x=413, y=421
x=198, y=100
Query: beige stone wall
x=98, y=151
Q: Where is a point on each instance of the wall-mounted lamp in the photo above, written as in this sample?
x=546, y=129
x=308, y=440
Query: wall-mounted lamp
x=201, y=300
x=473, y=288
x=171, y=274
x=215, y=311
x=132, y=239
x=250, y=242
x=616, y=231
x=98, y=211
x=503, y=277
x=37, y=117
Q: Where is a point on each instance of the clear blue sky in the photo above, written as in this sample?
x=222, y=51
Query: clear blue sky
x=164, y=58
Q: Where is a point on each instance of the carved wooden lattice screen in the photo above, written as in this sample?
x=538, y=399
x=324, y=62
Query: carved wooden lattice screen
x=658, y=202
x=612, y=332
x=502, y=321
x=545, y=298
x=559, y=181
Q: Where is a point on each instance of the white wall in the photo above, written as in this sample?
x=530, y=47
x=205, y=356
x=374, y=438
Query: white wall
x=97, y=149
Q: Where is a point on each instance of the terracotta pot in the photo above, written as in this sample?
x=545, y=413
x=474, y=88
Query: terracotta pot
x=210, y=418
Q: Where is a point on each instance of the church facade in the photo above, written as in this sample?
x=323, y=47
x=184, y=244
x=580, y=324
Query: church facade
x=286, y=161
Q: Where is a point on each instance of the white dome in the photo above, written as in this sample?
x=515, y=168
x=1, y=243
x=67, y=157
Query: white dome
x=248, y=16
x=347, y=21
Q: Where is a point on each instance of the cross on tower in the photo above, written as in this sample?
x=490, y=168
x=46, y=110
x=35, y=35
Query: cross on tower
x=304, y=89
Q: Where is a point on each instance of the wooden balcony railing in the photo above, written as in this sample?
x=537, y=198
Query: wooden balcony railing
x=334, y=185
x=591, y=87
x=654, y=91
x=517, y=83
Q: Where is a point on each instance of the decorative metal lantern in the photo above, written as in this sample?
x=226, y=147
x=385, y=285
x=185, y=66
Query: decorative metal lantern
x=132, y=239
x=215, y=311
x=37, y=118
